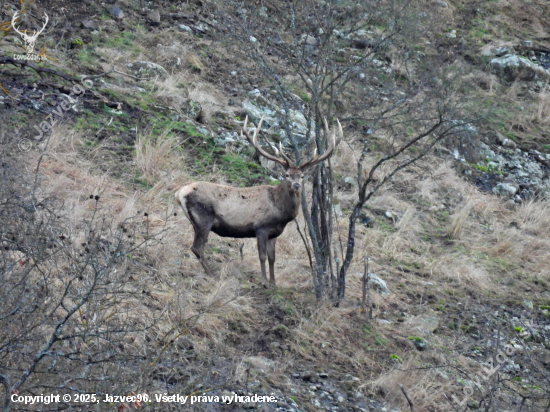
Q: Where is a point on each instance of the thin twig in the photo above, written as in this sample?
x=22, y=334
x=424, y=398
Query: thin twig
x=407, y=397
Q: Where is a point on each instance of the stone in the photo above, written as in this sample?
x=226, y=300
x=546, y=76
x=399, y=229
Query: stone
x=526, y=43
x=377, y=284
x=350, y=181
x=420, y=344
x=511, y=67
x=116, y=12
x=183, y=27
x=366, y=220
x=425, y=323
x=307, y=39
x=504, y=189
x=89, y=25
x=451, y=34
x=442, y=4
x=153, y=17
x=193, y=110
x=147, y=69
x=388, y=214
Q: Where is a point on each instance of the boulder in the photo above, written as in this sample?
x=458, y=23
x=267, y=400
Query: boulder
x=153, y=17
x=511, y=67
x=147, y=69
x=377, y=284
x=116, y=13
x=504, y=189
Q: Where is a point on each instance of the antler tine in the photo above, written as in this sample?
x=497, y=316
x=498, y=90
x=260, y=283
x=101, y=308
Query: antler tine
x=254, y=142
x=13, y=24
x=287, y=159
x=44, y=26
x=332, y=144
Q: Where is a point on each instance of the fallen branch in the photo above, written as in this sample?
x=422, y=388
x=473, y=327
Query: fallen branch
x=38, y=69
x=407, y=397
x=114, y=70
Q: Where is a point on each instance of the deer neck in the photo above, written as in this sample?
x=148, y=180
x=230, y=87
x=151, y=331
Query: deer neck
x=287, y=200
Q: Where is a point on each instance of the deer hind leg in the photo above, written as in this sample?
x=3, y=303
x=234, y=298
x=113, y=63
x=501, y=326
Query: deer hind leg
x=271, y=259
x=262, y=252
x=202, y=231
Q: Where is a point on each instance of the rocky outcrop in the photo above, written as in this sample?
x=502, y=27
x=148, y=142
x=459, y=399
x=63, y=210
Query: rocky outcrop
x=511, y=67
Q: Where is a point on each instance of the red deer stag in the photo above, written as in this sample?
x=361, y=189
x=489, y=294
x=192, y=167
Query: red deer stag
x=259, y=211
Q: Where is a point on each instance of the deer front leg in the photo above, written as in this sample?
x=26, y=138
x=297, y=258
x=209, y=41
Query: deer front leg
x=262, y=252
x=271, y=259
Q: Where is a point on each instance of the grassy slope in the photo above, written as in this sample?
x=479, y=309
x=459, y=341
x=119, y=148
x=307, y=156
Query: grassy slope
x=453, y=252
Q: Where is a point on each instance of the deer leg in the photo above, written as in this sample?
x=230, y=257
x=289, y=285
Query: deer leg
x=271, y=259
x=201, y=236
x=262, y=252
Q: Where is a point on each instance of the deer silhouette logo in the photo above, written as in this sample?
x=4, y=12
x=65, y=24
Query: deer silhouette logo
x=29, y=40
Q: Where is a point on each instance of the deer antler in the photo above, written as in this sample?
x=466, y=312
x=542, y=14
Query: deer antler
x=43, y=27
x=254, y=142
x=332, y=144
x=13, y=25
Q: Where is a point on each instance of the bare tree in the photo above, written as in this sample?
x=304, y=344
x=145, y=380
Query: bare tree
x=359, y=57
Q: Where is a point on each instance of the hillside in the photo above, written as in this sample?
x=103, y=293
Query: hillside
x=445, y=111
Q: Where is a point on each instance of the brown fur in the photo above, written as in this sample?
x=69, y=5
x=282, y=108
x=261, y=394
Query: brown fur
x=260, y=211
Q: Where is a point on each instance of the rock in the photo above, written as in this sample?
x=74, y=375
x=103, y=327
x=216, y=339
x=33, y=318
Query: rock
x=307, y=376
x=350, y=181
x=425, y=323
x=544, y=357
x=451, y=34
x=504, y=189
x=490, y=51
x=89, y=25
x=225, y=138
x=377, y=284
x=388, y=214
x=116, y=12
x=147, y=69
x=442, y=4
x=153, y=17
x=323, y=375
x=183, y=27
x=511, y=67
x=366, y=220
x=307, y=39
x=383, y=322
x=420, y=344
x=193, y=110
x=526, y=43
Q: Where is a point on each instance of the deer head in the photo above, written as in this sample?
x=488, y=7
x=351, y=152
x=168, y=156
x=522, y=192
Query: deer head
x=293, y=174
x=29, y=40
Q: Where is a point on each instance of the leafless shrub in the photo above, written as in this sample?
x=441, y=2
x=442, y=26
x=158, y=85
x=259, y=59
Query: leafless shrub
x=71, y=312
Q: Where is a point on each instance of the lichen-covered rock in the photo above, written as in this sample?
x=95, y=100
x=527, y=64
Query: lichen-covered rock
x=512, y=67
x=147, y=69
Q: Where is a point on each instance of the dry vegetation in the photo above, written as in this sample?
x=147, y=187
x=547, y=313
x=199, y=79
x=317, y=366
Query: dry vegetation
x=449, y=252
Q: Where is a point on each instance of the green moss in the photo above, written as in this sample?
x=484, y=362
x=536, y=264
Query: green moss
x=395, y=357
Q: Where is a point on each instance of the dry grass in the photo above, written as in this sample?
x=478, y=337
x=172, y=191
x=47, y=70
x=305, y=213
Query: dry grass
x=543, y=107
x=425, y=388
x=477, y=223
